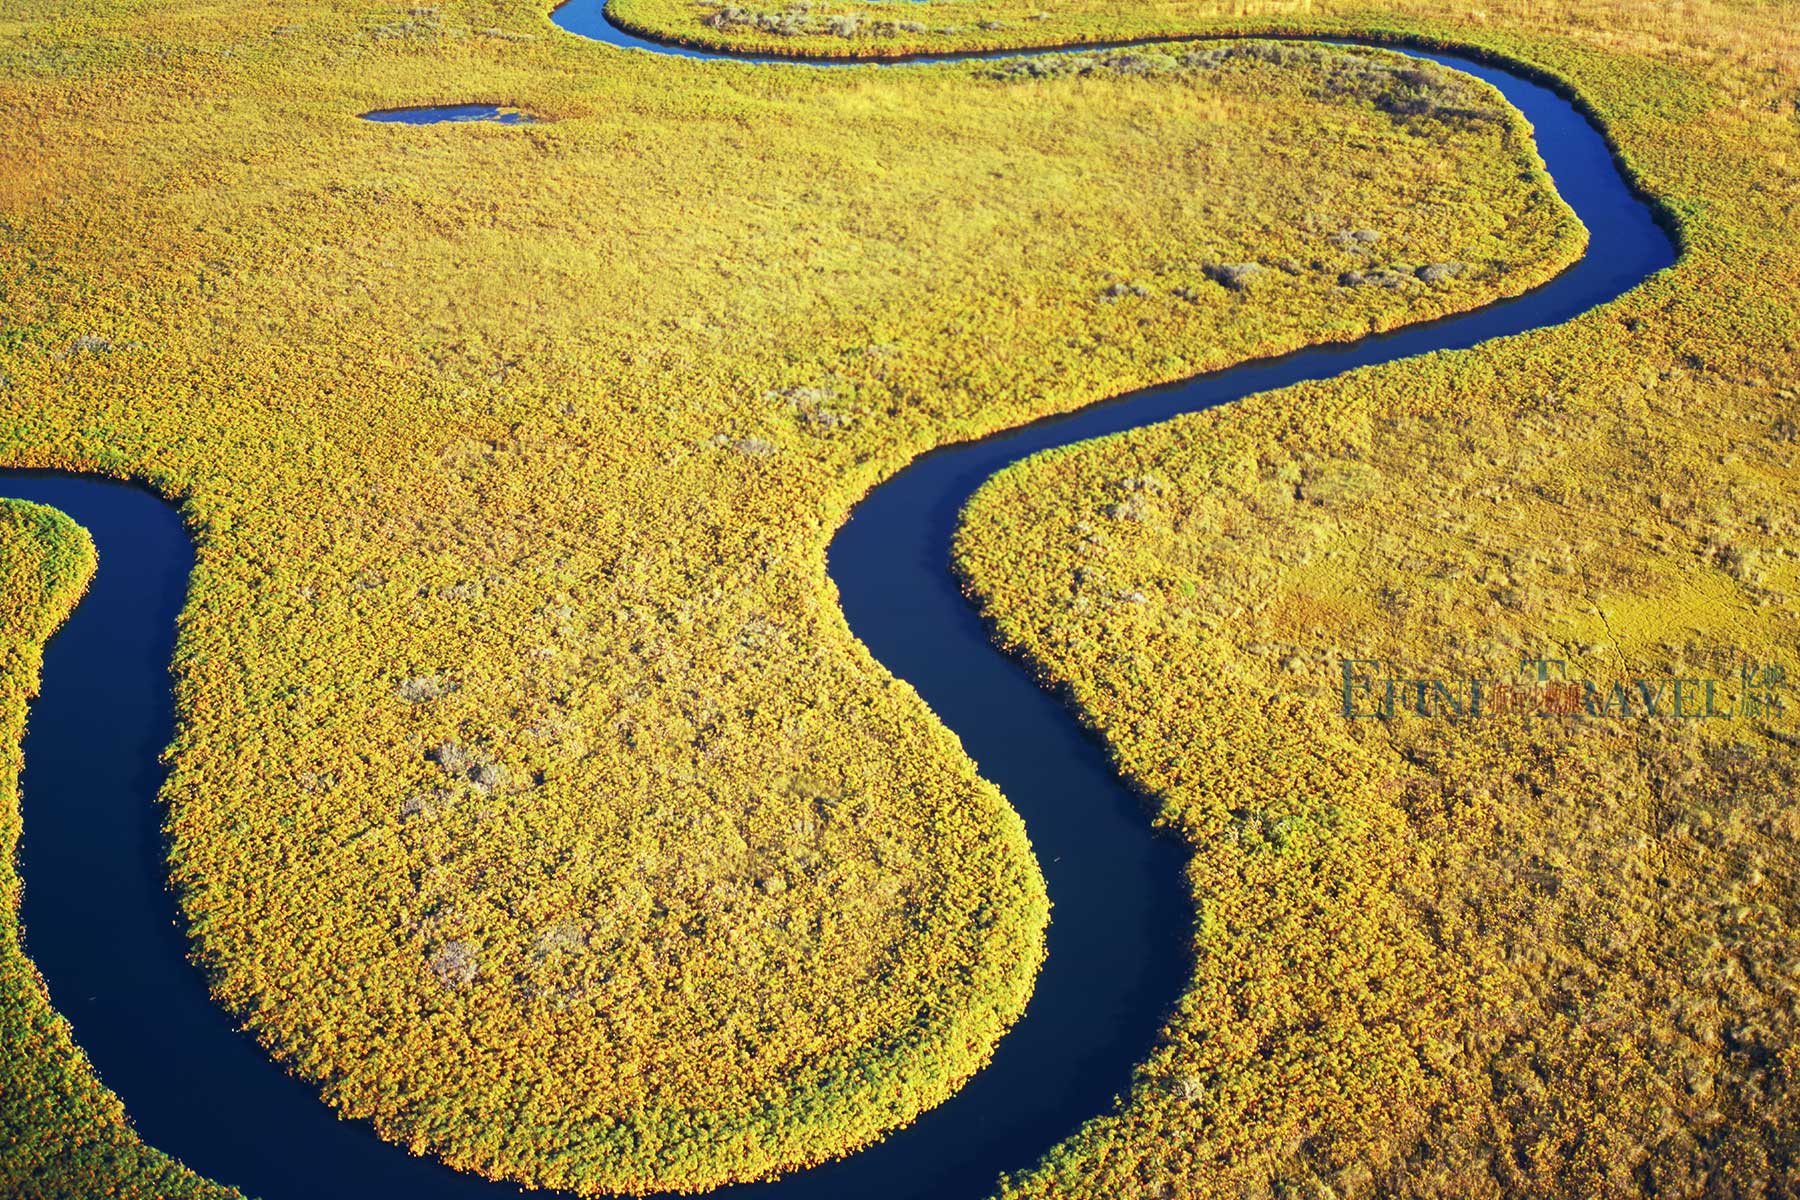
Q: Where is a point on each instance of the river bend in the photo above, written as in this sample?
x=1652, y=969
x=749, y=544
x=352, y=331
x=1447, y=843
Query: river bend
x=104, y=930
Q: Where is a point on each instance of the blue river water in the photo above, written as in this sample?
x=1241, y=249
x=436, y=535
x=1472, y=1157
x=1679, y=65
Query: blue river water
x=103, y=928
x=434, y=114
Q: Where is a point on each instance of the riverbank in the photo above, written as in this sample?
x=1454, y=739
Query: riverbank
x=452, y=688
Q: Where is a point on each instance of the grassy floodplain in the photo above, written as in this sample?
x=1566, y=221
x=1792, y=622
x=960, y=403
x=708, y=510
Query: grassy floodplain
x=510, y=673
x=1498, y=958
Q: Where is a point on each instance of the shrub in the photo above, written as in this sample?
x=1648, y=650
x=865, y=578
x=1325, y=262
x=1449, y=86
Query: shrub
x=455, y=964
x=1235, y=276
x=423, y=688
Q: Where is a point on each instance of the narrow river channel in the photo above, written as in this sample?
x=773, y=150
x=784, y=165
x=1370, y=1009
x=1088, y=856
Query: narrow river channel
x=104, y=931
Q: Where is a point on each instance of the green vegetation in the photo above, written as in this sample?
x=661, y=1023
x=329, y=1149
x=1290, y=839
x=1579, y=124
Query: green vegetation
x=863, y=29
x=510, y=673
x=64, y=1135
x=1498, y=958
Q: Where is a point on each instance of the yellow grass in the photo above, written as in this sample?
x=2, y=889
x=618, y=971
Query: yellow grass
x=510, y=672
x=1519, y=957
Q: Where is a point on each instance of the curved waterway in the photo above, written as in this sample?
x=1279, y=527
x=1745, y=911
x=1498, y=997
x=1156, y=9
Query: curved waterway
x=104, y=930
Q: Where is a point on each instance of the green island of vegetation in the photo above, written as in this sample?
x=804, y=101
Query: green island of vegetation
x=511, y=673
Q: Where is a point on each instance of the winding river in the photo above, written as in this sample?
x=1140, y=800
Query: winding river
x=103, y=928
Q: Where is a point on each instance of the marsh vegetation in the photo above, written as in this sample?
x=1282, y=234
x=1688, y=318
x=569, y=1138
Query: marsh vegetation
x=1438, y=957
x=510, y=672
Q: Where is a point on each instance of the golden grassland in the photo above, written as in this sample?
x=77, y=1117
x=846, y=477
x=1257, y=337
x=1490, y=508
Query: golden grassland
x=63, y=1133
x=1691, y=32
x=530, y=795
x=1515, y=956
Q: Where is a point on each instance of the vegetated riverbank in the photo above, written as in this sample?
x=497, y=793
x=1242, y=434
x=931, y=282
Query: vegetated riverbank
x=1509, y=957
x=63, y=1132
x=509, y=672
